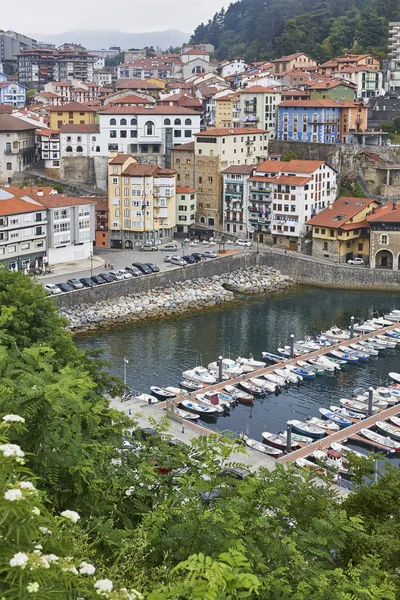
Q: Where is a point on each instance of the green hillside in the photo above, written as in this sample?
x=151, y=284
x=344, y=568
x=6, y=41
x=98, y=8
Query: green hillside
x=263, y=29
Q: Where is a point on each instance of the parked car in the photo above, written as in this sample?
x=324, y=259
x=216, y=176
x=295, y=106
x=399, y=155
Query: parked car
x=108, y=278
x=134, y=270
x=356, y=261
x=143, y=268
x=235, y=472
x=98, y=279
x=168, y=257
x=52, y=289
x=198, y=256
x=75, y=283
x=148, y=247
x=87, y=282
x=125, y=274
x=153, y=267
x=64, y=287
x=243, y=243
x=144, y=433
x=169, y=247
x=117, y=275
x=178, y=260
x=209, y=254
x=190, y=260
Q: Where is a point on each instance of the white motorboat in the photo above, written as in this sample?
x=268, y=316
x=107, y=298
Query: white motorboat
x=331, y=460
x=380, y=393
x=395, y=376
x=389, y=341
x=206, y=401
x=364, y=348
x=268, y=386
x=161, y=393
x=288, y=375
x=323, y=424
x=346, y=451
x=395, y=420
x=147, y=398
x=304, y=372
x=230, y=368
x=304, y=346
x=382, y=341
x=381, y=322
x=274, y=378
x=278, y=440
x=312, y=367
x=393, y=316
x=364, y=327
x=347, y=414
x=389, y=444
x=363, y=356
x=255, y=364
x=238, y=394
x=175, y=390
x=387, y=429
x=307, y=429
x=200, y=374
x=359, y=407
x=333, y=416
x=190, y=386
x=256, y=445
x=184, y=414
x=337, y=334
x=325, y=363
x=198, y=408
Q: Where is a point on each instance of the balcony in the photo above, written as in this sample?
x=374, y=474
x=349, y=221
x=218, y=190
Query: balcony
x=10, y=151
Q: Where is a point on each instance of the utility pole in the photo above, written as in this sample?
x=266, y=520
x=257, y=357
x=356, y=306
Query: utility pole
x=126, y=361
x=91, y=264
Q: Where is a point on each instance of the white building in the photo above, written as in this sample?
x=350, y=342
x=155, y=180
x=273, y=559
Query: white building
x=186, y=206
x=287, y=195
x=80, y=140
x=236, y=199
x=103, y=77
x=193, y=62
x=48, y=141
x=259, y=108
x=233, y=67
x=23, y=230
x=17, y=146
x=100, y=63
x=369, y=81
x=146, y=130
x=393, y=72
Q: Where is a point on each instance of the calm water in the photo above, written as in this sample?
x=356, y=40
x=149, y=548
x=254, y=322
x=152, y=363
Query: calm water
x=159, y=351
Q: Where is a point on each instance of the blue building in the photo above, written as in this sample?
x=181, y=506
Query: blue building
x=12, y=93
x=309, y=121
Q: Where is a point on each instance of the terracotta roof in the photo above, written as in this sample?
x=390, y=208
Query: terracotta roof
x=302, y=166
x=5, y=109
x=271, y=166
x=133, y=99
x=136, y=84
x=29, y=190
x=240, y=169
x=356, y=225
x=72, y=128
x=152, y=110
x=189, y=146
x=328, y=84
x=294, y=93
x=71, y=107
x=47, y=131
x=10, y=123
x=259, y=89
x=235, y=131
x=142, y=170
x=195, y=51
x=11, y=205
x=47, y=95
x=59, y=200
x=385, y=214
x=340, y=212
x=101, y=203
x=185, y=190
x=283, y=179
x=290, y=57
x=119, y=159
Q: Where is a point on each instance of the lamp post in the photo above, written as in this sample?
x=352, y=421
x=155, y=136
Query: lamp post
x=91, y=264
x=126, y=361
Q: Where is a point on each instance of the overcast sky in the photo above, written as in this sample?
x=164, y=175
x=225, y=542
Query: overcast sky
x=48, y=16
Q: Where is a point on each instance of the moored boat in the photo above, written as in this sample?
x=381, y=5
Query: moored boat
x=196, y=407
x=331, y=460
x=210, y=399
x=346, y=451
x=278, y=440
x=307, y=429
x=311, y=367
x=161, y=393
x=362, y=356
x=238, y=394
x=277, y=379
x=255, y=364
x=286, y=374
x=184, y=414
x=344, y=356
x=265, y=385
x=388, y=429
x=348, y=414
x=395, y=376
x=305, y=373
x=360, y=407
x=191, y=386
x=147, y=398
x=326, y=425
x=340, y=420
x=200, y=374
x=256, y=445
x=175, y=390
x=388, y=444
x=364, y=348
x=270, y=357
x=254, y=390
x=323, y=363
x=337, y=334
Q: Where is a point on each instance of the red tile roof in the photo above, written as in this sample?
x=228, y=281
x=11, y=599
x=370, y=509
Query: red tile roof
x=15, y=205
x=72, y=128
x=119, y=159
x=189, y=146
x=10, y=123
x=59, y=200
x=240, y=169
x=185, y=190
x=195, y=52
x=5, y=109
x=259, y=89
x=132, y=99
x=328, y=84
x=136, y=84
x=142, y=170
x=387, y=213
x=341, y=211
x=71, y=107
x=152, y=110
x=235, y=131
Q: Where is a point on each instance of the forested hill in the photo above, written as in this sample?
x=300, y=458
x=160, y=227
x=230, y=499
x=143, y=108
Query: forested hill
x=262, y=29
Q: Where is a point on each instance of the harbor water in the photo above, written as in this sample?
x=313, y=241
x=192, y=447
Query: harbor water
x=158, y=351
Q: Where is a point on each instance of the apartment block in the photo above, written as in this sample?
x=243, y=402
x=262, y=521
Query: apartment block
x=236, y=200
x=259, y=108
x=393, y=73
x=185, y=209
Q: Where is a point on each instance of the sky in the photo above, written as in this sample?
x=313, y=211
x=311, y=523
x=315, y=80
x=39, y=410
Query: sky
x=133, y=16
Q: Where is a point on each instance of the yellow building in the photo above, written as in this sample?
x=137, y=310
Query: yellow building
x=162, y=84
x=224, y=111
x=73, y=113
x=141, y=202
x=341, y=232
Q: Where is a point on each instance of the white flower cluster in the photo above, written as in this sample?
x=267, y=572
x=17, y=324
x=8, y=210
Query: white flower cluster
x=11, y=450
x=103, y=586
x=13, y=419
x=33, y=587
x=130, y=491
x=71, y=515
x=86, y=568
x=13, y=495
x=16, y=494
x=19, y=560
x=132, y=595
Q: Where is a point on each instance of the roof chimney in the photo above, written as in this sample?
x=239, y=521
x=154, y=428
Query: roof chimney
x=394, y=205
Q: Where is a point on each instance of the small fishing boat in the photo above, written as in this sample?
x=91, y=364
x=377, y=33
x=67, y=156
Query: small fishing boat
x=238, y=394
x=212, y=400
x=380, y=393
x=287, y=353
x=323, y=363
x=348, y=414
x=175, y=390
x=307, y=346
x=388, y=343
x=395, y=421
x=389, y=444
x=265, y=385
x=184, y=414
x=334, y=333
x=200, y=374
x=364, y=327
x=305, y=373
x=393, y=316
x=375, y=343
x=340, y=420
x=161, y=393
x=381, y=322
x=286, y=374
x=323, y=424
x=256, y=445
x=147, y=398
x=344, y=356
x=198, y=408
x=274, y=452
x=274, y=378
x=387, y=429
x=331, y=460
x=274, y=358
x=278, y=440
x=395, y=376
x=346, y=451
x=311, y=367
x=362, y=356
x=360, y=407
x=229, y=367
x=255, y=364
x=254, y=390
x=191, y=386
x=390, y=338
x=376, y=400
x=307, y=429
x=336, y=361
x=364, y=348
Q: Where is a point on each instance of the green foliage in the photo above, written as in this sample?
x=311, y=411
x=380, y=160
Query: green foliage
x=58, y=187
x=351, y=189
x=290, y=155
x=31, y=93
x=260, y=29
x=114, y=61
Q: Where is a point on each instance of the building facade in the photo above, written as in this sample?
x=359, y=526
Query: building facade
x=185, y=209
x=393, y=72
x=236, y=199
x=11, y=92
x=48, y=141
x=141, y=202
x=80, y=140
x=368, y=82
x=259, y=108
x=17, y=146
x=384, y=222
x=72, y=113
x=36, y=68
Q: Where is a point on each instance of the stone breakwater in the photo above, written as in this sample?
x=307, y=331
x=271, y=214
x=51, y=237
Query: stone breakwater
x=179, y=298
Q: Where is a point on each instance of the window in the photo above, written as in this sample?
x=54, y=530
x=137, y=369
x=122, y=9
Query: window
x=115, y=180
x=188, y=121
x=123, y=133
x=117, y=212
x=9, y=166
x=360, y=247
x=316, y=230
x=133, y=121
x=325, y=245
x=79, y=149
x=113, y=122
x=177, y=122
x=133, y=133
x=149, y=128
x=113, y=133
x=177, y=133
x=12, y=249
x=122, y=122
x=323, y=231
x=167, y=121
x=188, y=133
x=384, y=239
x=117, y=191
x=113, y=147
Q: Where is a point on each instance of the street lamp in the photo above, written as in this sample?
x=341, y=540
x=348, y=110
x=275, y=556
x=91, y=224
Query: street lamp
x=126, y=361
